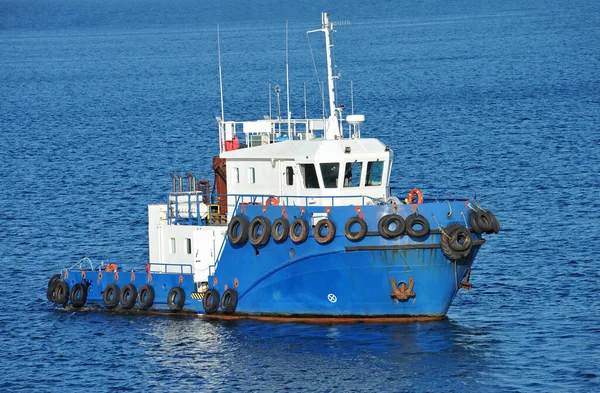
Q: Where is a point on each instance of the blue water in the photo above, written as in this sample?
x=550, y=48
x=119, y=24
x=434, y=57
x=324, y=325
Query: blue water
x=100, y=100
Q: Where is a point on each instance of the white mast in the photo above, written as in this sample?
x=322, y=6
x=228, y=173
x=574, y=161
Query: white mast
x=333, y=129
x=287, y=81
x=220, y=74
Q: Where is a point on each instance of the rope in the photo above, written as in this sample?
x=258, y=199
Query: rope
x=464, y=219
x=80, y=263
x=440, y=227
x=455, y=277
x=449, y=207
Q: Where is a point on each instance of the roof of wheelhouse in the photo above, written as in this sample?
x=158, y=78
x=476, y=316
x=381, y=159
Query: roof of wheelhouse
x=320, y=150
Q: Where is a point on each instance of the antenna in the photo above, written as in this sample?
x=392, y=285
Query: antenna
x=323, y=101
x=305, y=101
x=270, y=106
x=287, y=78
x=351, y=97
x=220, y=74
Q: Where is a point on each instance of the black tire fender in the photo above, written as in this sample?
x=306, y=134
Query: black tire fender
x=384, y=224
x=128, y=296
x=210, y=301
x=237, y=230
x=280, y=230
x=303, y=234
x=417, y=219
x=176, y=299
x=473, y=221
x=262, y=224
x=358, y=235
x=61, y=292
x=322, y=225
x=485, y=221
x=79, y=294
x=146, y=296
x=456, y=242
x=111, y=296
x=229, y=301
x=52, y=286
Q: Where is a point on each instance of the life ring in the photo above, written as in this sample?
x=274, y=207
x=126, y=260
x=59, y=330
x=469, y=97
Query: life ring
x=128, y=296
x=391, y=226
x=111, y=296
x=272, y=201
x=61, y=292
x=237, y=230
x=411, y=195
x=79, y=295
x=146, y=296
x=321, y=225
x=111, y=267
x=52, y=286
x=260, y=231
x=415, y=220
x=358, y=235
x=210, y=301
x=280, y=230
x=229, y=301
x=299, y=237
x=176, y=299
x=456, y=242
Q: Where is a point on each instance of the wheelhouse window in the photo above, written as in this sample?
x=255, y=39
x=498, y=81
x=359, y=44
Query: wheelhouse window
x=374, y=173
x=352, y=174
x=173, y=247
x=188, y=245
x=289, y=176
x=251, y=176
x=236, y=175
x=309, y=174
x=330, y=173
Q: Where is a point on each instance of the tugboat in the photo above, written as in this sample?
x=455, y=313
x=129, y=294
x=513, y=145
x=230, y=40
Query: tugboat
x=300, y=225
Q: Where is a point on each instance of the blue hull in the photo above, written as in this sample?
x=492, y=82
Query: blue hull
x=375, y=277
x=345, y=278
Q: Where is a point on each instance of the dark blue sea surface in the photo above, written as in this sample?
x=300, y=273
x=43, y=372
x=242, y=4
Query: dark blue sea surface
x=100, y=100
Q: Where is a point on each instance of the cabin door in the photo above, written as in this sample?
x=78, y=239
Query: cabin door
x=289, y=180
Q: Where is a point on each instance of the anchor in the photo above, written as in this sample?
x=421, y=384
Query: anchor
x=403, y=292
x=465, y=284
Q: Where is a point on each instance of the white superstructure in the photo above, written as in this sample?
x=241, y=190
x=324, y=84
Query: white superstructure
x=301, y=162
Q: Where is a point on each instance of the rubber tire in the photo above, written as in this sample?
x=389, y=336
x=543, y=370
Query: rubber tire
x=52, y=287
x=360, y=234
x=495, y=223
x=176, y=299
x=111, y=302
x=265, y=234
x=484, y=221
x=210, y=301
x=303, y=235
x=79, y=294
x=61, y=293
x=473, y=220
x=128, y=296
x=383, y=226
x=450, y=245
x=284, y=224
x=414, y=219
x=229, y=301
x=328, y=238
x=238, y=238
x=146, y=296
